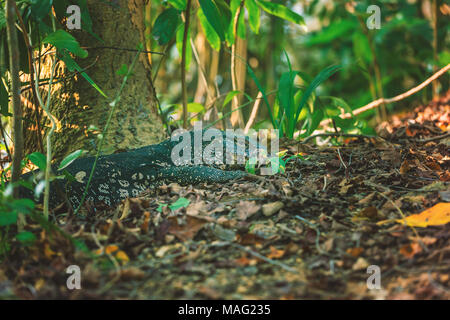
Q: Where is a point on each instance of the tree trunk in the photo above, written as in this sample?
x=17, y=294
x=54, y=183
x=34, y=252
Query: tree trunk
x=78, y=106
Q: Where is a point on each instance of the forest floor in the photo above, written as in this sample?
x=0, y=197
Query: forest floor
x=310, y=233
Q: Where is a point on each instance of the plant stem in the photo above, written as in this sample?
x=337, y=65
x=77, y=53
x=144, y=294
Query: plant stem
x=32, y=80
x=183, y=63
x=435, y=15
x=376, y=68
x=237, y=117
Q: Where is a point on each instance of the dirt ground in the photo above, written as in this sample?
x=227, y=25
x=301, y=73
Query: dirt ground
x=309, y=233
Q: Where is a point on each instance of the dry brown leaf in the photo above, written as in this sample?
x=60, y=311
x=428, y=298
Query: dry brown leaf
x=355, y=252
x=188, y=230
x=270, y=209
x=275, y=253
x=410, y=250
x=245, y=209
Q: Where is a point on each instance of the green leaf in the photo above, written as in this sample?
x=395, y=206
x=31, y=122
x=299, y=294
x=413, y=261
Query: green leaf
x=63, y=40
x=234, y=6
x=209, y=32
x=213, y=16
x=339, y=102
x=195, y=107
x=229, y=97
x=253, y=15
x=26, y=237
x=23, y=205
x=344, y=124
x=178, y=4
x=286, y=92
x=180, y=34
x=250, y=165
x=361, y=48
x=281, y=11
x=277, y=165
x=40, y=8
x=165, y=25
x=321, y=77
x=180, y=203
x=161, y=206
x=314, y=121
x=69, y=159
x=8, y=218
x=337, y=30
x=38, y=159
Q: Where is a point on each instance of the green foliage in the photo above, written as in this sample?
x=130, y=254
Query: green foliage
x=214, y=17
x=254, y=19
x=69, y=159
x=178, y=4
x=286, y=106
x=37, y=14
x=11, y=208
x=40, y=8
x=280, y=11
x=180, y=203
x=165, y=25
x=209, y=32
x=38, y=159
x=179, y=37
x=26, y=237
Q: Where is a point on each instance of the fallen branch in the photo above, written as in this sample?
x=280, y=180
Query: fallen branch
x=402, y=96
x=336, y=134
x=434, y=138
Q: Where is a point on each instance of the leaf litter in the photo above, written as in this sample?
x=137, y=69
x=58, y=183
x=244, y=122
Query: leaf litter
x=310, y=232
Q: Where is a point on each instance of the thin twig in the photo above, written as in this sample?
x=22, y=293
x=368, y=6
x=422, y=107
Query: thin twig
x=334, y=134
x=312, y=226
x=404, y=221
x=32, y=79
x=343, y=163
x=434, y=138
x=255, y=109
x=260, y=256
x=397, y=98
x=125, y=49
x=200, y=68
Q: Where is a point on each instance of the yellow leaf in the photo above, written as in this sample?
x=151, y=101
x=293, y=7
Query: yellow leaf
x=275, y=253
x=111, y=248
x=49, y=253
x=122, y=256
x=434, y=216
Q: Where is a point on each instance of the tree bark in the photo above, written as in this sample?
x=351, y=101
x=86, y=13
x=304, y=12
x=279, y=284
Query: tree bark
x=78, y=106
x=15, y=89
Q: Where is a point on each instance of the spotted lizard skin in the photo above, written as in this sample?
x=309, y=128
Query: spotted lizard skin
x=127, y=174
